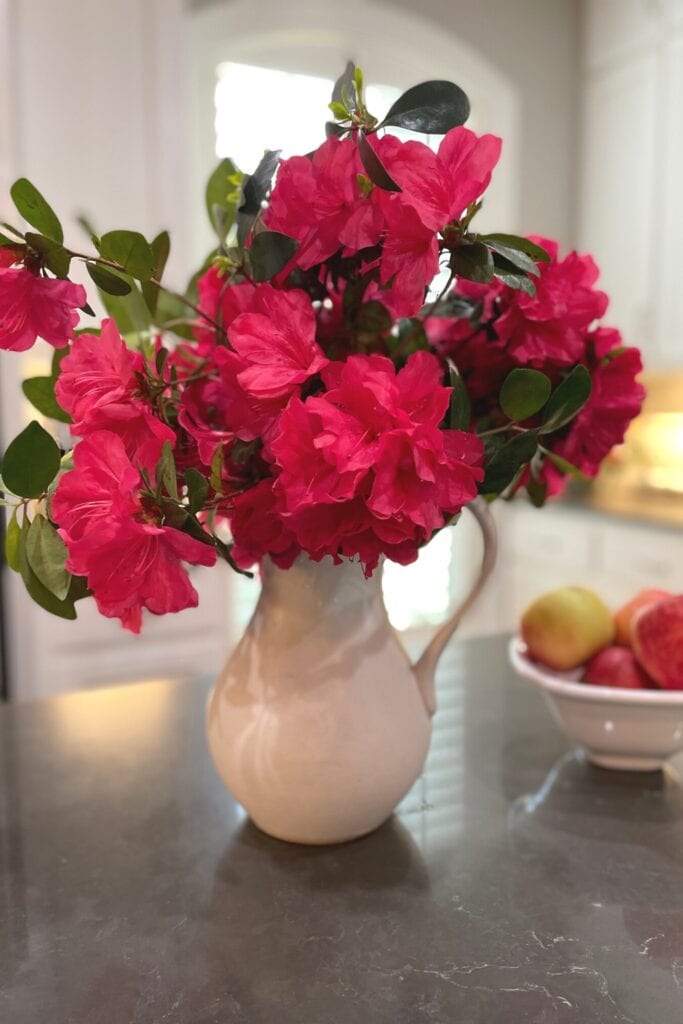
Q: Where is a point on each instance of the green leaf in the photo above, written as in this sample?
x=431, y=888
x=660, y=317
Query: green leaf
x=567, y=399
x=31, y=462
x=131, y=251
x=37, y=590
x=345, y=83
x=507, y=462
x=165, y=472
x=221, y=197
x=55, y=256
x=40, y=392
x=536, y=252
x=255, y=187
x=108, y=281
x=514, y=258
x=13, y=543
x=197, y=489
x=129, y=311
x=374, y=167
x=431, y=107
x=373, y=320
x=334, y=130
x=47, y=555
x=411, y=338
x=161, y=248
x=473, y=261
x=269, y=253
x=460, y=408
x=170, y=309
x=216, y=477
x=537, y=491
x=520, y=282
x=59, y=355
x=524, y=393
x=564, y=465
x=35, y=210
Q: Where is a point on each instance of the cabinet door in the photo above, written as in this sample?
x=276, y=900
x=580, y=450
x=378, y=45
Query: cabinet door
x=616, y=29
x=668, y=226
x=618, y=192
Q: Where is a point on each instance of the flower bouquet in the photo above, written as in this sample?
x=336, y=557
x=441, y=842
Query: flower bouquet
x=313, y=390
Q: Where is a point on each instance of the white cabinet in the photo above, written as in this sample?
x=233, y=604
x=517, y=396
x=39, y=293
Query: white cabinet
x=562, y=545
x=630, y=200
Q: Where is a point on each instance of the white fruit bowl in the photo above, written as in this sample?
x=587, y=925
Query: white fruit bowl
x=630, y=730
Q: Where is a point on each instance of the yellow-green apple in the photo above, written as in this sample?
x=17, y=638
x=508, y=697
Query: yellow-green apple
x=623, y=618
x=617, y=666
x=565, y=627
x=658, y=641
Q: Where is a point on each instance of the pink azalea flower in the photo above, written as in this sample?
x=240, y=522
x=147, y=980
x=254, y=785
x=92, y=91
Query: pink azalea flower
x=8, y=257
x=221, y=301
x=550, y=327
x=131, y=562
x=365, y=469
x=440, y=186
x=258, y=529
x=319, y=202
x=275, y=344
x=34, y=307
x=98, y=386
x=616, y=399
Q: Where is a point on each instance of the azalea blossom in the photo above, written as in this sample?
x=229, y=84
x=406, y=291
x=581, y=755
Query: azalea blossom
x=33, y=307
x=365, y=469
x=98, y=386
x=131, y=561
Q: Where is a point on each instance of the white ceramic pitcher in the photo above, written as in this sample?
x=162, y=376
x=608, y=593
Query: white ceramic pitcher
x=319, y=724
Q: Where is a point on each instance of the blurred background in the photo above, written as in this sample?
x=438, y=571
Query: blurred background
x=120, y=109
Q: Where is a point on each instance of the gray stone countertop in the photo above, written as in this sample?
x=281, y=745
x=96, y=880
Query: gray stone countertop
x=516, y=884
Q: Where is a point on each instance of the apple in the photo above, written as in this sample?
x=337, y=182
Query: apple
x=565, y=627
x=617, y=666
x=623, y=618
x=658, y=641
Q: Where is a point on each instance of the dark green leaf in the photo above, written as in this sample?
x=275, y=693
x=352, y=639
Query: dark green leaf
x=87, y=308
x=55, y=256
x=166, y=476
x=374, y=167
x=460, y=409
x=9, y=243
x=514, y=258
x=40, y=594
x=257, y=185
x=473, y=261
x=197, y=489
x=269, y=253
x=520, y=282
x=537, y=491
x=47, y=554
x=567, y=399
x=411, y=338
x=34, y=209
x=507, y=462
x=536, y=252
x=524, y=393
x=108, y=281
x=334, y=129
x=161, y=247
x=373, y=319
x=131, y=251
x=13, y=231
x=31, y=462
x=40, y=392
x=345, y=83
x=58, y=355
x=431, y=107
x=13, y=543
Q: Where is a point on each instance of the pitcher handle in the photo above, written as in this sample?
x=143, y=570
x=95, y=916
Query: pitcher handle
x=425, y=667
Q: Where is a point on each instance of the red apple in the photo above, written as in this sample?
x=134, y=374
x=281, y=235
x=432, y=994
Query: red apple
x=658, y=641
x=623, y=618
x=617, y=666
